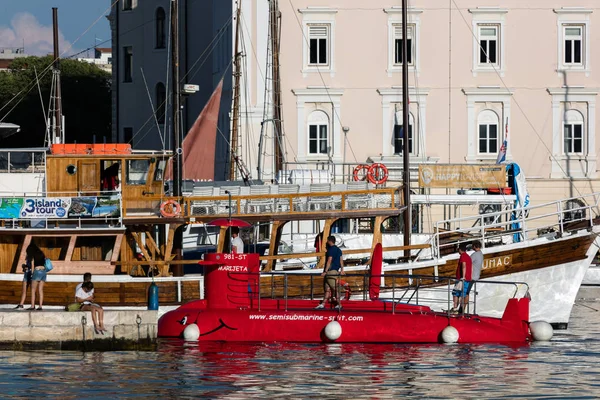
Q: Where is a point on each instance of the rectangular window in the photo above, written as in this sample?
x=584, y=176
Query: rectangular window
x=317, y=139
x=128, y=64
x=318, y=39
x=399, y=139
x=573, y=44
x=137, y=172
x=573, y=138
x=127, y=5
x=488, y=44
x=488, y=139
x=398, y=44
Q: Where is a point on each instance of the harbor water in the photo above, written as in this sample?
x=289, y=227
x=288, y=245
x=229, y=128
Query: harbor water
x=565, y=367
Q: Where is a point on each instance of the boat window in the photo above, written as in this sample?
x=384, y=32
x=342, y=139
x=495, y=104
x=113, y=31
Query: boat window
x=20, y=162
x=137, y=171
x=159, y=174
x=53, y=247
x=71, y=169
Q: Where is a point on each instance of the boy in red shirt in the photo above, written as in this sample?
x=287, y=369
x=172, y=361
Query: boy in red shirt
x=463, y=273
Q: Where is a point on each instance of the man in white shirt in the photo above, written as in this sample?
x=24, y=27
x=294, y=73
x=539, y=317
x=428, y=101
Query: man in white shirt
x=87, y=277
x=237, y=244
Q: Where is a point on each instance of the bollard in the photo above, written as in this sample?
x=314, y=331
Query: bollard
x=153, y=297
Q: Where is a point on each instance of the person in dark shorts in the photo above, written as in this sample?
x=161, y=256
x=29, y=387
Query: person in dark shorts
x=334, y=267
x=27, y=274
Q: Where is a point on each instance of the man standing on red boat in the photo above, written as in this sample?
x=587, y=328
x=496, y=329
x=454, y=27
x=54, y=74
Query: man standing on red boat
x=463, y=275
x=334, y=267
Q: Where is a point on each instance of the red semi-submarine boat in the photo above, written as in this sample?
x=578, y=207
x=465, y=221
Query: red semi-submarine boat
x=233, y=311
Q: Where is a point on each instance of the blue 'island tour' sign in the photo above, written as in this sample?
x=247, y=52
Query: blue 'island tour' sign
x=59, y=207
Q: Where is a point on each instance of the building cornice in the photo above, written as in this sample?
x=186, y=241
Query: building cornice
x=318, y=10
x=484, y=91
x=573, y=91
x=573, y=10
x=398, y=10
x=318, y=91
x=488, y=10
x=412, y=91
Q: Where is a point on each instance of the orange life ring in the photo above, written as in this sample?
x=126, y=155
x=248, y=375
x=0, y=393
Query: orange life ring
x=378, y=174
x=361, y=172
x=170, y=209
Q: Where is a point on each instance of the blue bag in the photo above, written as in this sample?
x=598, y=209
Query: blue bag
x=48, y=265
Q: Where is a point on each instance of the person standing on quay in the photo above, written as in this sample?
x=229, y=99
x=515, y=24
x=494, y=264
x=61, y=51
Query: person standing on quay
x=334, y=267
x=37, y=259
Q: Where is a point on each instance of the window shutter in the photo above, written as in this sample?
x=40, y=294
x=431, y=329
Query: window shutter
x=317, y=31
x=398, y=31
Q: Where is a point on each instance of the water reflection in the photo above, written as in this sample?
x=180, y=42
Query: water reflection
x=565, y=367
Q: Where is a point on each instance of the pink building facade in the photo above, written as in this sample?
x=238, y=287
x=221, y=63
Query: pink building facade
x=480, y=72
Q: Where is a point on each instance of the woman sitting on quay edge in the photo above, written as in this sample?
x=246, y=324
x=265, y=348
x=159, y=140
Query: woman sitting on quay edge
x=36, y=275
x=85, y=296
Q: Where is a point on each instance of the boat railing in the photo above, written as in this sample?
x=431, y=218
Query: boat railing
x=423, y=290
x=549, y=220
x=279, y=200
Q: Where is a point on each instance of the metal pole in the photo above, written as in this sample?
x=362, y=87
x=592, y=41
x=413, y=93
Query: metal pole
x=406, y=131
x=229, y=218
x=177, y=137
x=56, y=70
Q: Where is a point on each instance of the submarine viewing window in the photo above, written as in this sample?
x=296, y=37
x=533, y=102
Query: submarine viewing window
x=137, y=171
x=71, y=169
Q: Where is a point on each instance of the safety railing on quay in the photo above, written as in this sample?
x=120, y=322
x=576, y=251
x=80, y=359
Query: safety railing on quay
x=418, y=290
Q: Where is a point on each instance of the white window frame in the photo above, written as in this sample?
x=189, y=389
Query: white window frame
x=312, y=99
x=417, y=110
x=395, y=22
x=319, y=119
x=489, y=16
x=573, y=16
x=318, y=16
x=583, y=100
x=319, y=32
x=487, y=123
x=481, y=39
x=572, y=123
x=476, y=97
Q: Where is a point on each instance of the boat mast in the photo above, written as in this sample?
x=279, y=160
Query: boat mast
x=176, y=109
x=278, y=136
x=406, y=133
x=56, y=130
x=236, y=95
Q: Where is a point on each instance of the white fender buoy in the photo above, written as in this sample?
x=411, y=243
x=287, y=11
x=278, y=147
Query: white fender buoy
x=333, y=330
x=541, y=331
x=450, y=334
x=191, y=332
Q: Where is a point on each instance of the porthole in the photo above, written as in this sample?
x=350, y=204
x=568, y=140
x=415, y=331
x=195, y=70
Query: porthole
x=71, y=169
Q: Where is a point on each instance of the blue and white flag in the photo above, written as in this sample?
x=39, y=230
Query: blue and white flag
x=502, y=152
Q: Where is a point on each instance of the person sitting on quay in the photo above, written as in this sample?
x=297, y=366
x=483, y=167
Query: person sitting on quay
x=85, y=296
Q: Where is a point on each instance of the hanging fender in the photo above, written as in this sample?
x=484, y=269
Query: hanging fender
x=170, y=209
x=361, y=172
x=378, y=174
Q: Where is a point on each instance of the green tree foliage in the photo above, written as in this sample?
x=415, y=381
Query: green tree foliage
x=86, y=101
